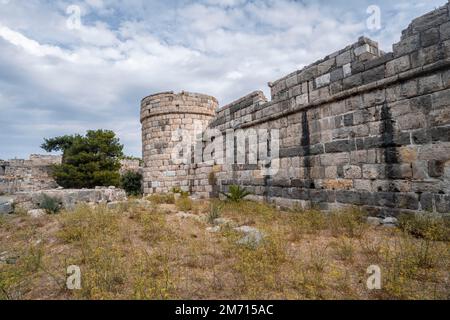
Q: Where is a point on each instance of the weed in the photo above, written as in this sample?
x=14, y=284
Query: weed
x=184, y=203
x=344, y=249
x=51, y=205
x=306, y=222
x=371, y=247
x=350, y=222
x=154, y=227
x=178, y=190
x=168, y=198
x=427, y=226
x=258, y=268
x=214, y=212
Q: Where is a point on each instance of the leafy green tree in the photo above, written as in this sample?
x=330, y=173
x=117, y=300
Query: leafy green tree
x=88, y=161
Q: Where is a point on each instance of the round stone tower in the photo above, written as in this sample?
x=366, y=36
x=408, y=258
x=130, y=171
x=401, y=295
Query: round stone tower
x=169, y=120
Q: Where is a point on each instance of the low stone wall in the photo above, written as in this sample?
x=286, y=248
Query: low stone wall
x=127, y=165
x=69, y=198
x=18, y=175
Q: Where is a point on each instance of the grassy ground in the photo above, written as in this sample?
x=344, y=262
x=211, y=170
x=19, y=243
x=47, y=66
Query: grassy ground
x=147, y=251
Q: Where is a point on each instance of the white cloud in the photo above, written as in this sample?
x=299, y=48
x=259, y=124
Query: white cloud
x=30, y=46
x=74, y=80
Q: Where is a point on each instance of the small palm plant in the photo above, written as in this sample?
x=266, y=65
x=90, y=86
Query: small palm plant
x=236, y=193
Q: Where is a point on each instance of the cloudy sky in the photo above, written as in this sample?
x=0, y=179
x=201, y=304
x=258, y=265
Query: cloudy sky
x=63, y=75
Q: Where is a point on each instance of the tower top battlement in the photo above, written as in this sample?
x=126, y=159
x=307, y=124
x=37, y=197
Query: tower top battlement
x=178, y=103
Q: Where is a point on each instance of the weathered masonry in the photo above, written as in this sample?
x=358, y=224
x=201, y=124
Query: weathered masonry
x=360, y=127
x=167, y=119
x=18, y=175
x=35, y=174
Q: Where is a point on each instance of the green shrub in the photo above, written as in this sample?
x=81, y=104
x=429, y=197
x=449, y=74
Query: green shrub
x=427, y=226
x=51, y=205
x=131, y=182
x=236, y=193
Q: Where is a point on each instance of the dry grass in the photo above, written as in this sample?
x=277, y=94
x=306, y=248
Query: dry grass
x=136, y=252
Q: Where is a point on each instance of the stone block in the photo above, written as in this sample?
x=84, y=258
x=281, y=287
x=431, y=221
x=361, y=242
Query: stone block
x=323, y=80
x=399, y=171
x=6, y=208
x=344, y=58
x=407, y=201
x=352, y=81
x=411, y=121
x=441, y=99
x=361, y=184
x=436, y=168
x=350, y=197
x=441, y=134
x=420, y=170
x=292, y=81
x=430, y=84
x=373, y=74
x=407, y=45
x=331, y=172
x=429, y=37
x=435, y=152
x=374, y=98
x=365, y=48
x=442, y=203
x=397, y=66
x=352, y=172
x=421, y=137
x=426, y=56
x=381, y=199
x=347, y=70
x=445, y=31
x=338, y=184
x=339, y=146
x=326, y=66
x=373, y=171
x=337, y=74
x=426, y=202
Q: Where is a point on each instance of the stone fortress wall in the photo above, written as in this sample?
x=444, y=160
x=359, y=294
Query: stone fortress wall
x=360, y=127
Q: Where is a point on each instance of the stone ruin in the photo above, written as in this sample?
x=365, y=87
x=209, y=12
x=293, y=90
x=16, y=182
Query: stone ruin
x=133, y=165
x=18, y=175
x=34, y=174
x=359, y=127
x=24, y=182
